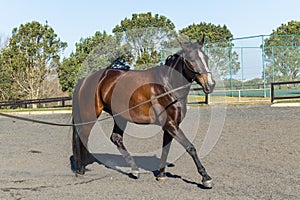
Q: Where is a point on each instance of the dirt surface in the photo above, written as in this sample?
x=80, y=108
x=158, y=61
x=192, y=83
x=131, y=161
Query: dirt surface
x=257, y=157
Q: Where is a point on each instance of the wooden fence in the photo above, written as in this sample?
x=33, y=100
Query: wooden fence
x=274, y=97
x=47, y=102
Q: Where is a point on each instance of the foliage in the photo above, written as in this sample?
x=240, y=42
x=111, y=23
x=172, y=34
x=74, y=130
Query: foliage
x=217, y=45
x=6, y=83
x=282, y=49
x=91, y=54
x=151, y=56
x=212, y=32
x=32, y=53
x=145, y=34
x=234, y=84
x=33, y=50
x=223, y=61
x=67, y=72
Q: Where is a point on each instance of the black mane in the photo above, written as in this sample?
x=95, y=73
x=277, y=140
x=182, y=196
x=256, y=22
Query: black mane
x=170, y=59
x=119, y=63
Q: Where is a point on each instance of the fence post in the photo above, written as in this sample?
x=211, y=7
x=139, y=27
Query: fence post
x=207, y=98
x=272, y=92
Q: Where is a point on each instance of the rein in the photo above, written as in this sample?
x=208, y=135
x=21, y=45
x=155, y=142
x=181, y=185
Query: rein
x=98, y=120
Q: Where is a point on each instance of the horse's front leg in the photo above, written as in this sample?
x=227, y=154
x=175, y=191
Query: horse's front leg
x=167, y=139
x=178, y=134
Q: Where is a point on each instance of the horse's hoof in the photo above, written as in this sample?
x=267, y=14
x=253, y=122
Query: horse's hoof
x=161, y=177
x=134, y=174
x=208, y=184
x=78, y=174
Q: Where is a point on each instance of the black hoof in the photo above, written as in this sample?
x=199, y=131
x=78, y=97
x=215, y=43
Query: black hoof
x=75, y=169
x=79, y=172
x=134, y=174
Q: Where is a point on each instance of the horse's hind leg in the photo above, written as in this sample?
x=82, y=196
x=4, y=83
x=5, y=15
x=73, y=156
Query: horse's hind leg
x=117, y=139
x=165, y=151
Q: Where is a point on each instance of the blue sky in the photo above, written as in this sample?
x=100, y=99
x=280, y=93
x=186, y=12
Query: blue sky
x=74, y=19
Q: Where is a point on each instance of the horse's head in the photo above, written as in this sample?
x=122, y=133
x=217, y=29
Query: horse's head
x=196, y=63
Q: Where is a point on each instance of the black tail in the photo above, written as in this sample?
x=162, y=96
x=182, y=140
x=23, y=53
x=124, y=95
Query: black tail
x=81, y=156
x=77, y=146
x=77, y=160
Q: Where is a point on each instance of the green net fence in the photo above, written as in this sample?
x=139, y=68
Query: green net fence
x=247, y=66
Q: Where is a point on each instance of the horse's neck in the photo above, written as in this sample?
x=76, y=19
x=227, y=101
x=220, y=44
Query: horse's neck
x=177, y=79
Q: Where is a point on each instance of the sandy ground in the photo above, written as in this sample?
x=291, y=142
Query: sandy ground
x=257, y=157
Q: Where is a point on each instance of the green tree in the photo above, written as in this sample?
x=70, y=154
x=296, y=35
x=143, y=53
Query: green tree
x=91, y=54
x=282, y=49
x=145, y=34
x=32, y=51
x=4, y=82
x=218, y=45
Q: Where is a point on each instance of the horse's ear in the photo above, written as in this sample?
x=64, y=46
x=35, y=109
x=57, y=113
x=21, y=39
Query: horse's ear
x=201, y=42
x=183, y=46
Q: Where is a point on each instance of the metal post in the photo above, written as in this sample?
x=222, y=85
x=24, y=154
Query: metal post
x=263, y=64
x=161, y=55
x=242, y=65
x=273, y=66
x=230, y=68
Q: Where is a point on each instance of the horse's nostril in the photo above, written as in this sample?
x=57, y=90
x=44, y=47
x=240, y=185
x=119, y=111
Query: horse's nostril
x=214, y=84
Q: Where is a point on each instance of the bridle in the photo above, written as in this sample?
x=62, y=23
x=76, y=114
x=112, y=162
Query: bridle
x=189, y=67
x=186, y=65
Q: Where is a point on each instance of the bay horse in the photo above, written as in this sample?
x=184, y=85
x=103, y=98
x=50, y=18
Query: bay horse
x=157, y=95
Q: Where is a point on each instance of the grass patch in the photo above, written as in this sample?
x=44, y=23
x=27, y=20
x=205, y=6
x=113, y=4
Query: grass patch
x=229, y=99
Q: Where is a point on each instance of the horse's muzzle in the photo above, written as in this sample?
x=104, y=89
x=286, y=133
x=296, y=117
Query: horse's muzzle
x=207, y=83
x=209, y=87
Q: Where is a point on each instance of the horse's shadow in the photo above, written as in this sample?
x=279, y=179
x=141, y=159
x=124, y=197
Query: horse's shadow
x=117, y=162
x=145, y=163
